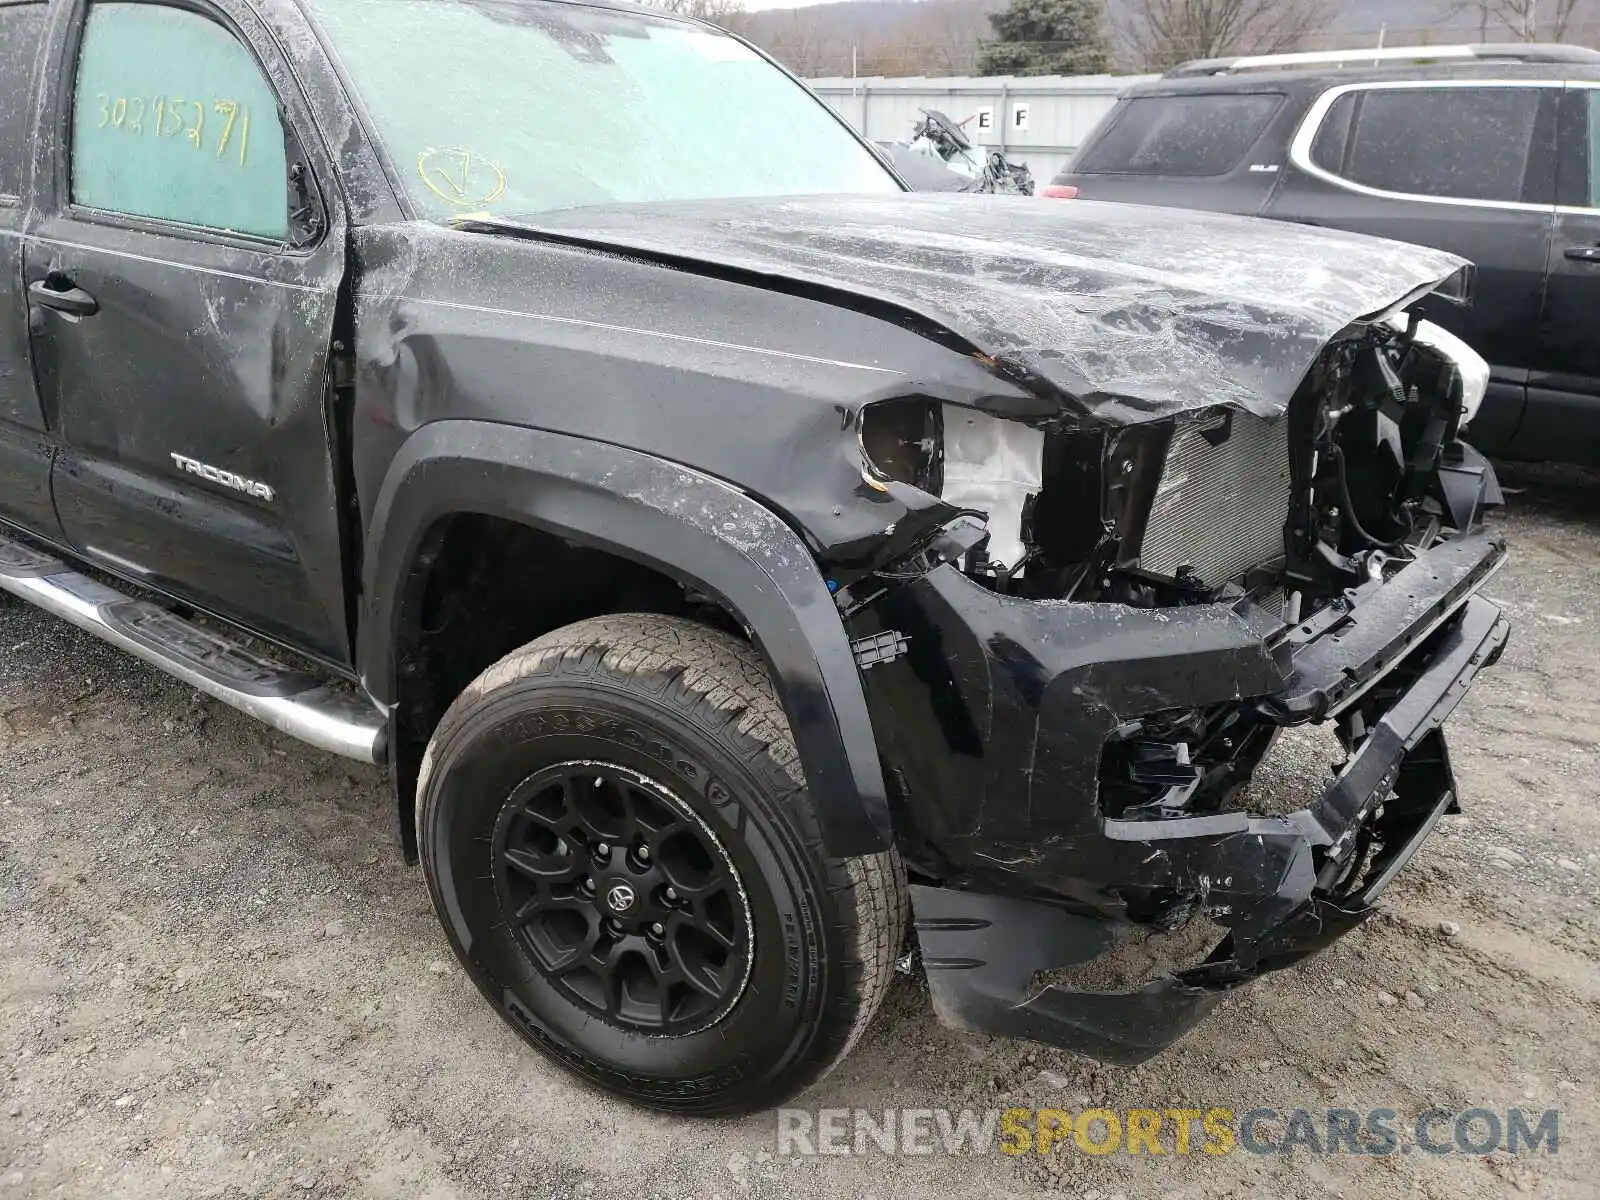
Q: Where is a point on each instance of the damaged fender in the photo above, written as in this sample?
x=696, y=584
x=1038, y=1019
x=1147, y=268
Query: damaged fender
x=706, y=534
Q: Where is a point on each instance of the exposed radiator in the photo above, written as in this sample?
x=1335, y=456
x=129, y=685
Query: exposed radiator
x=1220, y=508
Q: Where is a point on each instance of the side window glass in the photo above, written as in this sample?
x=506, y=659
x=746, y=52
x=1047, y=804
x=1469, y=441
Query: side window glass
x=21, y=30
x=1333, y=138
x=1458, y=143
x=173, y=119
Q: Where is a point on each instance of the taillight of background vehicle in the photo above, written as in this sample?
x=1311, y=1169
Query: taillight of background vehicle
x=1059, y=191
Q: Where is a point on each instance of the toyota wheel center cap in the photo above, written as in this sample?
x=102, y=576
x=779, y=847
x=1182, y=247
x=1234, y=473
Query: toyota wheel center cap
x=620, y=897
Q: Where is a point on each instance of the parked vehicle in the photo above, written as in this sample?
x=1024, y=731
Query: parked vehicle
x=922, y=172
x=723, y=576
x=959, y=166
x=1485, y=151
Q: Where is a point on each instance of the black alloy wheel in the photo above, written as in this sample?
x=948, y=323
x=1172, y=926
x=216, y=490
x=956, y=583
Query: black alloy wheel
x=626, y=899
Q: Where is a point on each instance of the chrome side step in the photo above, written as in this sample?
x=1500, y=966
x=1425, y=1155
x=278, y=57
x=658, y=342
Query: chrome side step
x=290, y=700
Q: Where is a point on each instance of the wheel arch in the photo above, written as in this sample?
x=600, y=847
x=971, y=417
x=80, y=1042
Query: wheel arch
x=705, y=534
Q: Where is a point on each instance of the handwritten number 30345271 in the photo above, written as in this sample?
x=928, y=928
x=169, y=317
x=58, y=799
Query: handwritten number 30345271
x=177, y=117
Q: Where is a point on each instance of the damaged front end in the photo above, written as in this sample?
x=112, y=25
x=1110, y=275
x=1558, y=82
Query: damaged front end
x=1074, y=678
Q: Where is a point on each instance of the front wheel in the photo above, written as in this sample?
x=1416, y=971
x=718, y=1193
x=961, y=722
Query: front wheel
x=619, y=841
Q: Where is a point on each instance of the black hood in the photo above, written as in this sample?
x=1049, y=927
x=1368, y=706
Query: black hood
x=1130, y=312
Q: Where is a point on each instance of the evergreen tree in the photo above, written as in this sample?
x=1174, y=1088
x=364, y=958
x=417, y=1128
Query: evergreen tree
x=1047, y=37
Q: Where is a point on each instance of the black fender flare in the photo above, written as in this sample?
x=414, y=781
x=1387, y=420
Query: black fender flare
x=685, y=524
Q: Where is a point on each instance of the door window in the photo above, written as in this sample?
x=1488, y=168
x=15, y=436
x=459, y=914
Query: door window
x=173, y=119
x=1461, y=143
x=21, y=30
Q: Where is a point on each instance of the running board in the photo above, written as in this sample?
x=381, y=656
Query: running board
x=293, y=701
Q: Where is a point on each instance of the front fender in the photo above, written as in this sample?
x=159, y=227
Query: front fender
x=705, y=533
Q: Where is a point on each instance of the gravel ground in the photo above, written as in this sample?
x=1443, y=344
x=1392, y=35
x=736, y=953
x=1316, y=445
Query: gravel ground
x=218, y=978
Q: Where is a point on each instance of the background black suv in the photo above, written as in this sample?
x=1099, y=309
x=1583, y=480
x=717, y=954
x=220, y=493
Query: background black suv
x=1492, y=152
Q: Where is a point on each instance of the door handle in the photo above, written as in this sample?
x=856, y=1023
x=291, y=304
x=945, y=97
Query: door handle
x=1588, y=254
x=59, y=294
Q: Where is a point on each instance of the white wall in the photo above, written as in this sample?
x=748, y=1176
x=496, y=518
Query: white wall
x=1039, y=120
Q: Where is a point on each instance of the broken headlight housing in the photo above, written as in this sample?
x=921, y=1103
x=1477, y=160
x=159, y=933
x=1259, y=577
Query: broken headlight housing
x=1055, y=502
x=1074, y=512
x=971, y=460
x=1472, y=369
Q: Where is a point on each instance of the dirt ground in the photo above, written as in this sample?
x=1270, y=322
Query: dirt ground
x=217, y=977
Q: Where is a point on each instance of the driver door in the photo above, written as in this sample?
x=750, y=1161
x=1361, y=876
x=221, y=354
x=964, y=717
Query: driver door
x=182, y=280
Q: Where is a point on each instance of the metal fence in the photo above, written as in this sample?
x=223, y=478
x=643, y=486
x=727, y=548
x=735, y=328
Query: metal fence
x=1039, y=120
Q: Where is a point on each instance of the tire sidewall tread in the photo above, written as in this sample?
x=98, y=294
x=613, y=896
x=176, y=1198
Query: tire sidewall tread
x=714, y=688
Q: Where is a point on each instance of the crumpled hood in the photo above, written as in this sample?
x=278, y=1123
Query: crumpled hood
x=1132, y=312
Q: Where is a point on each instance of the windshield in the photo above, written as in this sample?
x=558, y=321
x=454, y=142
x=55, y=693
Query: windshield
x=516, y=108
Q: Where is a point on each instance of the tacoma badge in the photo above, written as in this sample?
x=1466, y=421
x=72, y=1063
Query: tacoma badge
x=250, y=487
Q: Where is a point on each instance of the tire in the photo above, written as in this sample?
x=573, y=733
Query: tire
x=769, y=962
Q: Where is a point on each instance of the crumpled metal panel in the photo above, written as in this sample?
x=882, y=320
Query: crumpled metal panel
x=1131, y=312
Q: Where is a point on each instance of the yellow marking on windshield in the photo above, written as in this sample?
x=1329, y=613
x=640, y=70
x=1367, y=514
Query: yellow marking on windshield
x=461, y=177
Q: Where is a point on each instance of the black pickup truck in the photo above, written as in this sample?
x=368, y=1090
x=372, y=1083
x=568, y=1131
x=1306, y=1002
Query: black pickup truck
x=729, y=555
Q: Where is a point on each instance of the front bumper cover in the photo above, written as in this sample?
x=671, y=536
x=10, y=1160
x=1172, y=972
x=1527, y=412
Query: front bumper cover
x=1018, y=699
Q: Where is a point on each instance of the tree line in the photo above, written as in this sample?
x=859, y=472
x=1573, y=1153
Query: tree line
x=1081, y=37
